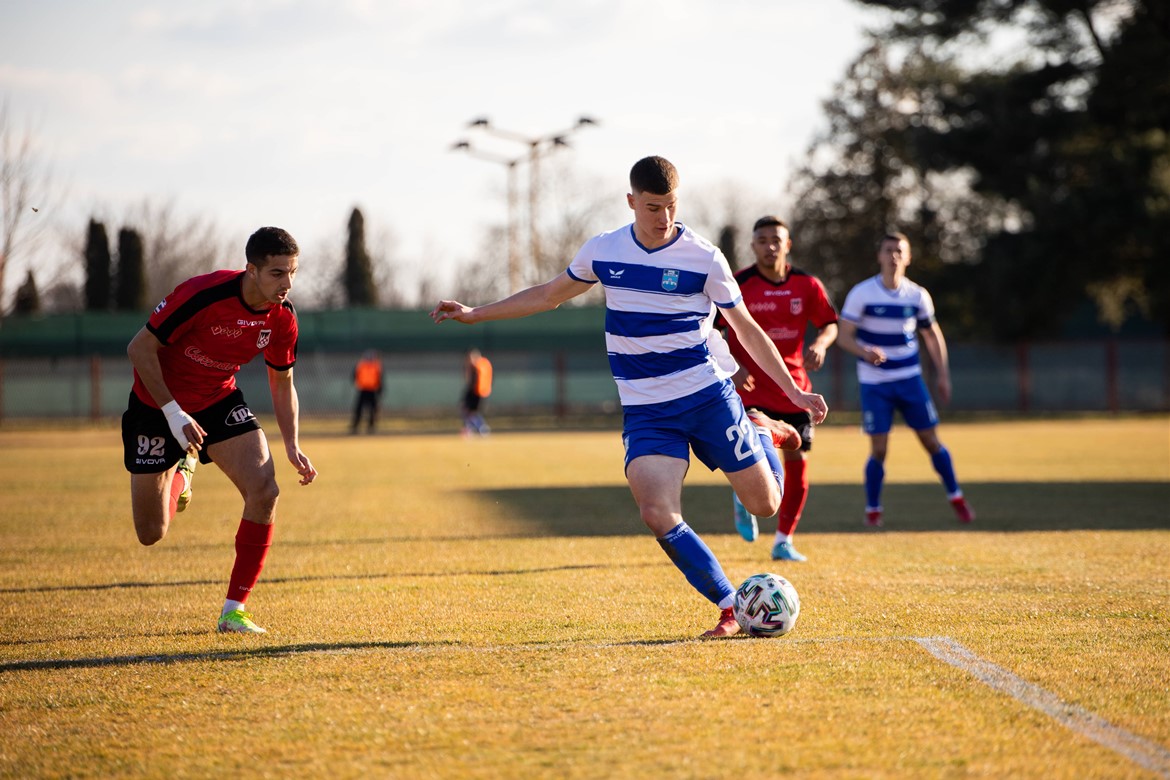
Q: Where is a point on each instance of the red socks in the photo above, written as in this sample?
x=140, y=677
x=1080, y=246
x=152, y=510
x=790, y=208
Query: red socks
x=795, y=494
x=252, y=543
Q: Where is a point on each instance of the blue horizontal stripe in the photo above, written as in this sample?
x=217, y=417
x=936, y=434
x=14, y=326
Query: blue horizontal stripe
x=891, y=311
x=886, y=339
x=654, y=364
x=638, y=324
x=890, y=365
x=649, y=278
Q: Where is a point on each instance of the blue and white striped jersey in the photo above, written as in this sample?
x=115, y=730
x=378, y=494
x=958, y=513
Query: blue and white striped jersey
x=889, y=319
x=658, y=311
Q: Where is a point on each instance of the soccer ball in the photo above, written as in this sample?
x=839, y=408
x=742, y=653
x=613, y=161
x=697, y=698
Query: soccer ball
x=766, y=605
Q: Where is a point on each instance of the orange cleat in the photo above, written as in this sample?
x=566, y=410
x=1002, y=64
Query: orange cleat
x=727, y=626
x=784, y=436
x=962, y=509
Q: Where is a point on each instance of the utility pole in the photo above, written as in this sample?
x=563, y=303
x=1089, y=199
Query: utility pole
x=538, y=146
x=513, y=245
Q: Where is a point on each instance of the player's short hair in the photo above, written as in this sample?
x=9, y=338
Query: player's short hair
x=770, y=221
x=656, y=175
x=270, y=242
x=891, y=235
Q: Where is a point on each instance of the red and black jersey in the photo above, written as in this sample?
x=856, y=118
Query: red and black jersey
x=784, y=311
x=208, y=332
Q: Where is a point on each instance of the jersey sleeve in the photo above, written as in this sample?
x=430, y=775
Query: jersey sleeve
x=171, y=318
x=281, y=352
x=853, y=309
x=581, y=268
x=925, y=310
x=721, y=286
x=823, y=311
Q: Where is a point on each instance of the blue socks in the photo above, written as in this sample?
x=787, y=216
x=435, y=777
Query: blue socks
x=875, y=475
x=941, y=461
x=698, y=564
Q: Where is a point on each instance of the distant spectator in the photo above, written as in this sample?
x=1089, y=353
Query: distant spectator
x=478, y=372
x=367, y=380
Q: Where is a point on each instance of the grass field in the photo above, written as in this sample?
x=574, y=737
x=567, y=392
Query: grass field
x=494, y=608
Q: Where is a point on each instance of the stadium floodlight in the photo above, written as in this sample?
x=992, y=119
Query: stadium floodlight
x=538, y=146
x=510, y=163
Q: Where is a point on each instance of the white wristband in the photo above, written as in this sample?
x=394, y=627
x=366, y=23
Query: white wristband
x=176, y=419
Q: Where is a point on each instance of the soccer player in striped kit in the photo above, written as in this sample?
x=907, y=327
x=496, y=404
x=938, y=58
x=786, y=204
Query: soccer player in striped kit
x=881, y=321
x=185, y=407
x=662, y=284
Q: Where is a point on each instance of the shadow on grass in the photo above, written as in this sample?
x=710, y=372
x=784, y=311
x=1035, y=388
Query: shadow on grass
x=241, y=654
x=1000, y=506
x=313, y=578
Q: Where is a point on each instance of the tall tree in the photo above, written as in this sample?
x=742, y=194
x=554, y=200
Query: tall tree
x=130, y=281
x=359, y=269
x=97, y=268
x=1064, y=134
x=27, y=299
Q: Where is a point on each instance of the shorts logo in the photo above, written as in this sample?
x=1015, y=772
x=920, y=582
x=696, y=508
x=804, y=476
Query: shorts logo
x=263, y=339
x=239, y=415
x=796, y=305
x=670, y=280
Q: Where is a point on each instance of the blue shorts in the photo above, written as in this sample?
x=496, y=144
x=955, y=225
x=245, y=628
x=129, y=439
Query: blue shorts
x=908, y=396
x=711, y=422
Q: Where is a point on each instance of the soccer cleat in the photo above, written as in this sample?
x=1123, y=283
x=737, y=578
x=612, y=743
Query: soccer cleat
x=962, y=509
x=873, y=518
x=238, y=622
x=784, y=436
x=745, y=521
x=187, y=469
x=784, y=551
x=727, y=625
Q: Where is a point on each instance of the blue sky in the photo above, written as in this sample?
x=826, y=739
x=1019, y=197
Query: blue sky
x=291, y=112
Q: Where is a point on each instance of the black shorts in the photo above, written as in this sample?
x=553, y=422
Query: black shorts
x=801, y=421
x=471, y=402
x=148, y=446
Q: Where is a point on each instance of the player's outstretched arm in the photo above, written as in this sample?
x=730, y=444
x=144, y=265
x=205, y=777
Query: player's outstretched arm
x=286, y=407
x=532, y=300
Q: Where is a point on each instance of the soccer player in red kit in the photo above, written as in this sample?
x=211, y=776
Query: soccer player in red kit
x=784, y=301
x=185, y=407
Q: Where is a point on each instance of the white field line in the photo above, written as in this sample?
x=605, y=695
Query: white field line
x=1141, y=751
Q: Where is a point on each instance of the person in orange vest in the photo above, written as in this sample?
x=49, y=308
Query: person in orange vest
x=478, y=372
x=367, y=380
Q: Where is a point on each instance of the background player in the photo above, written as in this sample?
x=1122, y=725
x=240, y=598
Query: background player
x=784, y=301
x=477, y=378
x=367, y=382
x=185, y=400
x=880, y=324
x=661, y=281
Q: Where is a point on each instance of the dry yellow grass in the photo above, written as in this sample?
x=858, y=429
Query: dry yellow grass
x=493, y=608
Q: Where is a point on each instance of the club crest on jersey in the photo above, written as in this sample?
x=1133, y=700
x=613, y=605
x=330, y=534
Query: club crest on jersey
x=796, y=305
x=263, y=339
x=670, y=280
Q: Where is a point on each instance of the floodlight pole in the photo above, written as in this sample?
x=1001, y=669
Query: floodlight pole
x=513, y=244
x=537, y=146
